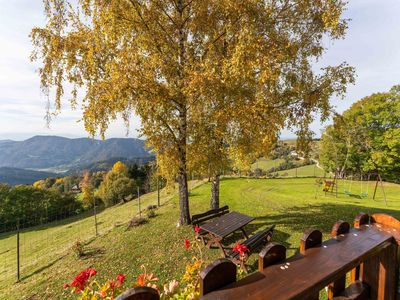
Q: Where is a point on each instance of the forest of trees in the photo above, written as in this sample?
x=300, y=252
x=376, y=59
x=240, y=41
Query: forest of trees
x=365, y=139
x=57, y=198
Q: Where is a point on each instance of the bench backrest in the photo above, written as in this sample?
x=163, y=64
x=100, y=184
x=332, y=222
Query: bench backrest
x=208, y=215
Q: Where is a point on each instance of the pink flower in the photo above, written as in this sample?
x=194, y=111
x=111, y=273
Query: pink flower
x=187, y=244
x=171, y=287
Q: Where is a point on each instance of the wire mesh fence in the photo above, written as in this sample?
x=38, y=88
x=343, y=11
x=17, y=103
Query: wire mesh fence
x=26, y=250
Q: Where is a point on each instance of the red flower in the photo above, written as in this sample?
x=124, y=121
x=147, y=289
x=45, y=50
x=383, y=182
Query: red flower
x=241, y=249
x=80, y=280
x=121, y=278
x=187, y=244
x=113, y=284
x=197, y=229
x=66, y=285
x=91, y=272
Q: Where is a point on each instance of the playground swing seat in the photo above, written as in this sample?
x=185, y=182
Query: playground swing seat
x=362, y=194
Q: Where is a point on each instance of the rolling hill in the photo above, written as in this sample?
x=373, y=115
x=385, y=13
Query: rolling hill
x=14, y=176
x=56, y=154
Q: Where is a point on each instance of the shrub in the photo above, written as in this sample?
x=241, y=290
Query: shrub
x=79, y=249
x=151, y=213
x=136, y=221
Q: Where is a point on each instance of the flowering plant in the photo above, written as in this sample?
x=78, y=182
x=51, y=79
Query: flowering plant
x=93, y=290
x=241, y=249
x=188, y=288
x=145, y=279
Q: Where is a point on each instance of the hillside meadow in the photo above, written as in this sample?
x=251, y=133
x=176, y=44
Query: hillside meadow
x=292, y=204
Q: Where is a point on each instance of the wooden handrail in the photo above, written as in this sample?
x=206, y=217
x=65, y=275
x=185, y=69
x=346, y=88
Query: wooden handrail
x=372, y=244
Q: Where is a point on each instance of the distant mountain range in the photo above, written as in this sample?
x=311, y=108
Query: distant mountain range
x=54, y=154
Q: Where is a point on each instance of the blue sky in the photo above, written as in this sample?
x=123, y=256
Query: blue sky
x=372, y=46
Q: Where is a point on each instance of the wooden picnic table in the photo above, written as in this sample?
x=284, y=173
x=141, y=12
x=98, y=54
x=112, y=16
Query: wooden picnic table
x=302, y=276
x=225, y=225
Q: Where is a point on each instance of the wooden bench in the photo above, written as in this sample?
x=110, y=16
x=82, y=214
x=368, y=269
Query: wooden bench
x=204, y=217
x=253, y=243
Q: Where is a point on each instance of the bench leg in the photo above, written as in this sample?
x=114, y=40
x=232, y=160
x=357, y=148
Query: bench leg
x=201, y=238
x=217, y=241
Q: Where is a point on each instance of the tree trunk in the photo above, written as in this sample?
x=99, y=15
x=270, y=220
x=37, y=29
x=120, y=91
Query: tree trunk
x=183, y=197
x=182, y=137
x=215, y=192
x=182, y=172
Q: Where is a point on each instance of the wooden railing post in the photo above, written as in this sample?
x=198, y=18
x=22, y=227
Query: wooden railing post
x=310, y=239
x=217, y=275
x=360, y=219
x=380, y=273
x=339, y=285
x=271, y=254
x=140, y=293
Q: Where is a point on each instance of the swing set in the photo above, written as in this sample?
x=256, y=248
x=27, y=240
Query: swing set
x=331, y=186
x=364, y=193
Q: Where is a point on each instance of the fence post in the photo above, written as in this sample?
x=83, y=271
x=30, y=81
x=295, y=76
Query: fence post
x=18, y=262
x=158, y=191
x=138, y=194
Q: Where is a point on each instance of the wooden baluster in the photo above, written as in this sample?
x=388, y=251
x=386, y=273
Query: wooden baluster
x=394, y=224
x=339, y=285
x=311, y=238
x=360, y=219
x=217, y=275
x=271, y=254
x=140, y=293
x=356, y=291
x=380, y=273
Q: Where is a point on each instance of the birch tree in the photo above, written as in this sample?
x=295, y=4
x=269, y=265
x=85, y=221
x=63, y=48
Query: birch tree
x=165, y=60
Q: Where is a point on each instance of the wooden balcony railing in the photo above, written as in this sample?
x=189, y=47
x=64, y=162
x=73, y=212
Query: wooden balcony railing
x=368, y=252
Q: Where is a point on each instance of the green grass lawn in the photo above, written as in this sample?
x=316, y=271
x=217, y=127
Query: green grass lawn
x=292, y=204
x=304, y=171
x=266, y=164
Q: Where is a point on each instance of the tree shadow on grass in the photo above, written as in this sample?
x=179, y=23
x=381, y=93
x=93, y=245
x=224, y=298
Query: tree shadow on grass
x=91, y=252
x=321, y=216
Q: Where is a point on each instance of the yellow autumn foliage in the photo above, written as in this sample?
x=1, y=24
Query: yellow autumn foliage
x=203, y=76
